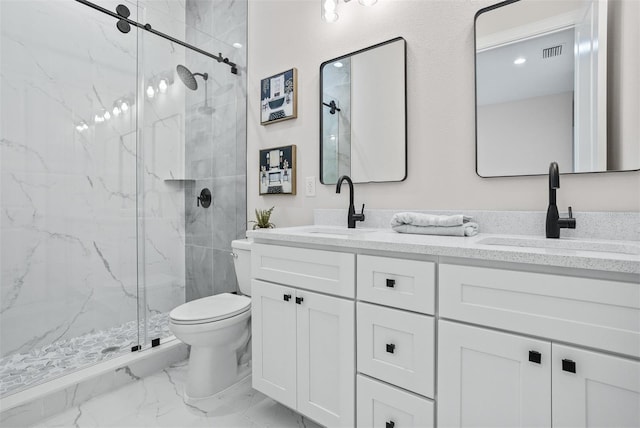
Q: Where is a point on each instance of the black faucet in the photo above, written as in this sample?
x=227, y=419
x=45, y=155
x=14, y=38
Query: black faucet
x=352, y=217
x=554, y=222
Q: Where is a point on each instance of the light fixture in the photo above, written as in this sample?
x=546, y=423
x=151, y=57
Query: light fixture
x=81, y=127
x=162, y=86
x=237, y=45
x=150, y=92
x=329, y=8
x=124, y=106
x=338, y=64
x=116, y=111
x=329, y=13
x=98, y=119
x=520, y=61
x=106, y=115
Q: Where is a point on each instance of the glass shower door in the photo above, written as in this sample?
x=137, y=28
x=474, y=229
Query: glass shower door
x=68, y=177
x=191, y=138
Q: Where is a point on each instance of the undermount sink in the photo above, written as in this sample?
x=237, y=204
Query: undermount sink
x=334, y=232
x=564, y=244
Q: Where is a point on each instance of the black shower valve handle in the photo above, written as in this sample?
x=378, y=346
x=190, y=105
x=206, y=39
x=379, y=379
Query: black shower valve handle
x=204, y=199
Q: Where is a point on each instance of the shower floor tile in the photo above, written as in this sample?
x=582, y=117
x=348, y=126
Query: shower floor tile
x=20, y=371
x=157, y=401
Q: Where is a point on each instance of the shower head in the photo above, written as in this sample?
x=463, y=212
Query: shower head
x=189, y=78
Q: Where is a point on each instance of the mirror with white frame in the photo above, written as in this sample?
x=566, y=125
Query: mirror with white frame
x=557, y=81
x=363, y=132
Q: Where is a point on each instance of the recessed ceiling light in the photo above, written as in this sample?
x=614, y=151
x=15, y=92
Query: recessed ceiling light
x=237, y=45
x=520, y=61
x=337, y=64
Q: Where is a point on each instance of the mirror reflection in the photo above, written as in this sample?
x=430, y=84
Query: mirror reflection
x=551, y=86
x=363, y=115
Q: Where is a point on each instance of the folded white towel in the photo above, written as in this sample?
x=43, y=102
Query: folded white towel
x=467, y=229
x=418, y=219
x=429, y=224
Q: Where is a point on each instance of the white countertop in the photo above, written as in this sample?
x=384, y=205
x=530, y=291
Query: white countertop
x=592, y=254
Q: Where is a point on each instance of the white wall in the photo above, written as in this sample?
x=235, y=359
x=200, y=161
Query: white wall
x=624, y=85
x=377, y=128
x=440, y=103
x=524, y=136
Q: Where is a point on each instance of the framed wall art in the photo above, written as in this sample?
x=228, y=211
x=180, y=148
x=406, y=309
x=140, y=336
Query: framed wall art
x=279, y=97
x=278, y=171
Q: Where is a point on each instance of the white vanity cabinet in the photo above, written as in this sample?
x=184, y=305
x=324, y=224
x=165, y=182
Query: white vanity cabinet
x=486, y=380
x=494, y=378
x=384, y=337
x=303, y=341
x=396, y=342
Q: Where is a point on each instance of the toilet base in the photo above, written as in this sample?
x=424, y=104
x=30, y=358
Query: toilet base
x=209, y=404
x=211, y=369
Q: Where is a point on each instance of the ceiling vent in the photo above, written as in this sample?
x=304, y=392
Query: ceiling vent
x=552, y=51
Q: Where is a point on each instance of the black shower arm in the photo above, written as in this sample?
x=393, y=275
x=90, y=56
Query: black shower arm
x=147, y=27
x=332, y=105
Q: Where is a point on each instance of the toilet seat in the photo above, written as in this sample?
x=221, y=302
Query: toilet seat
x=210, y=309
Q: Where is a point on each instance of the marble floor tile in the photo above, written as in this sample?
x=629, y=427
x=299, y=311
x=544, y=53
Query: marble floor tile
x=157, y=401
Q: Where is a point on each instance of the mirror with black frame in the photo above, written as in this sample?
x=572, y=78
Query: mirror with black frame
x=557, y=81
x=363, y=132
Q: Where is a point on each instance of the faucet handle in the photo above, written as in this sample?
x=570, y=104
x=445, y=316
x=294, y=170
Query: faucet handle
x=570, y=213
x=362, y=212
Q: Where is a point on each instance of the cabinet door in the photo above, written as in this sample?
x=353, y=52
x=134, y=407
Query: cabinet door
x=326, y=358
x=486, y=378
x=594, y=390
x=273, y=329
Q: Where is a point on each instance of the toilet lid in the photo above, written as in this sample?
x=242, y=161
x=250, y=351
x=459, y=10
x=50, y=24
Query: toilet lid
x=212, y=308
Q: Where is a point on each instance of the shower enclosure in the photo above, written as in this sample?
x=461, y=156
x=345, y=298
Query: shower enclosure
x=103, y=151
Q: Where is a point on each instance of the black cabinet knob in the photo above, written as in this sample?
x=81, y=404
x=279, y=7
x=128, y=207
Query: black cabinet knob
x=299, y=300
x=287, y=297
x=390, y=424
x=535, y=357
x=569, y=366
x=391, y=348
x=391, y=283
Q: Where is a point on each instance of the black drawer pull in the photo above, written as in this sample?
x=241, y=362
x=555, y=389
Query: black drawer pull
x=391, y=283
x=299, y=300
x=390, y=424
x=287, y=297
x=535, y=357
x=569, y=366
x=391, y=348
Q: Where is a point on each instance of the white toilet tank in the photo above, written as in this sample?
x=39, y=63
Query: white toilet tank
x=242, y=262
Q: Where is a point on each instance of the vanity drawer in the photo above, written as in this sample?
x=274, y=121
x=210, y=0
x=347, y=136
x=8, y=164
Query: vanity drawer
x=324, y=271
x=396, y=346
x=591, y=312
x=381, y=405
x=406, y=284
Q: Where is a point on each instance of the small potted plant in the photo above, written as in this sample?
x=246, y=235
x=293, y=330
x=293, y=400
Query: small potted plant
x=262, y=219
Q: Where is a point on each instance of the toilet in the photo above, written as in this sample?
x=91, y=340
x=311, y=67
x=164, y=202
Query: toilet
x=218, y=329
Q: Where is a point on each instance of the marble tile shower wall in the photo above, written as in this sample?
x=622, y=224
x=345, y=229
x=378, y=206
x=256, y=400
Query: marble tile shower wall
x=215, y=150
x=68, y=213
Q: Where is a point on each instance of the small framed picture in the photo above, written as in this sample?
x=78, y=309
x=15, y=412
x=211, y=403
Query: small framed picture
x=278, y=171
x=279, y=97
